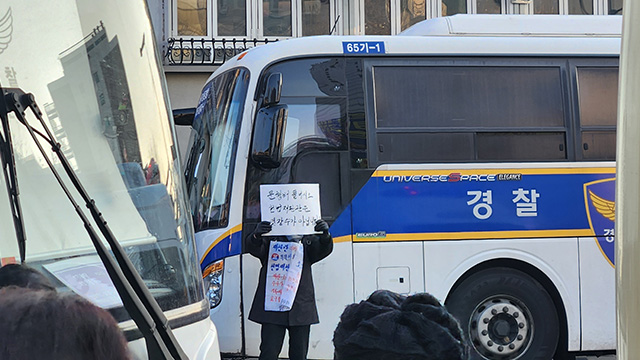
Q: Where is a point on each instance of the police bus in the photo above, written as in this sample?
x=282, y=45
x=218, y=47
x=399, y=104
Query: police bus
x=94, y=196
x=471, y=157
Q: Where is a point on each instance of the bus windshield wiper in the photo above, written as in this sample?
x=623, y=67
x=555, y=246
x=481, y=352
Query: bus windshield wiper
x=142, y=307
x=11, y=178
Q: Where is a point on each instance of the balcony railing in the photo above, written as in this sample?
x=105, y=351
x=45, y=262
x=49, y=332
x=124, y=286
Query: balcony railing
x=211, y=52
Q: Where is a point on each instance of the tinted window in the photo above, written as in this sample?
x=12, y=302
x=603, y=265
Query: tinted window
x=420, y=147
x=469, y=113
x=462, y=97
x=598, y=96
x=521, y=146
x=597, y=108
x=599, y=145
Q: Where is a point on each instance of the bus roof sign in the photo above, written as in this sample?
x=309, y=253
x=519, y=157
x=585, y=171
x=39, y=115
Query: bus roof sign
x=363, y=47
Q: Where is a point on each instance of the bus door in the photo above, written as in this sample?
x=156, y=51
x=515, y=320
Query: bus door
x=315, y=150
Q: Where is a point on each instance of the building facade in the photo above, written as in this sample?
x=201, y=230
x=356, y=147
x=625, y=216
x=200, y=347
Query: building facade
x=196, y=36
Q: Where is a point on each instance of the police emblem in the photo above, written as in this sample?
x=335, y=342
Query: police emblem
x=600, y=204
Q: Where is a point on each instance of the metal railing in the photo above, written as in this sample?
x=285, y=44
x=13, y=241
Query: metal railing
x=211, y=52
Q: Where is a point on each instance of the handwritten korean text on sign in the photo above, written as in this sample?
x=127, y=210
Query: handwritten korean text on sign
x=292, y=209
x=284, y=270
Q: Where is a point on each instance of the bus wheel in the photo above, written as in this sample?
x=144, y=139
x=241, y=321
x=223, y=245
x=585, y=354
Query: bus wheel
x=505, y=314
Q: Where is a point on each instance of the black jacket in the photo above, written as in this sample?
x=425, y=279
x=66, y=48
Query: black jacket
x=303, y=311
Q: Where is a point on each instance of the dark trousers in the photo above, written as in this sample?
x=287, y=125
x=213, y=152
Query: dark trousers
x=272, y=337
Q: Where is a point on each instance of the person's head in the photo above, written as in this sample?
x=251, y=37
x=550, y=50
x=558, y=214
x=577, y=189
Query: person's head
x=39, y=324
x=23, y=276
x=390, y=326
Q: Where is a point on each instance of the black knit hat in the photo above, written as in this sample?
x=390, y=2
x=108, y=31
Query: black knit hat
x=388, y=326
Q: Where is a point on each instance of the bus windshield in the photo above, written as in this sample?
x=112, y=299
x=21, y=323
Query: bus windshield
x=105, y=106
x=209, y=170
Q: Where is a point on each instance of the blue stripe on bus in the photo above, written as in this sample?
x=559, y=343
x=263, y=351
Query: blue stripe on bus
x=228, y=246
x=232, y=245
x=413, y=205
x=410, y=207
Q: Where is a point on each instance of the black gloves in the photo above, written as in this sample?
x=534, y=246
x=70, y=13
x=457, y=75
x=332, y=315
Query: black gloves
x=262, y=228
x=265, y=227
x=322, y=225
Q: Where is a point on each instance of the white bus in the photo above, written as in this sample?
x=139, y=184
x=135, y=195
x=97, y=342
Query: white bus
x=473, y=160
x=93, y=70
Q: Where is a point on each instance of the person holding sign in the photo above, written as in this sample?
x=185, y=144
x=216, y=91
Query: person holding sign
x=285, y=298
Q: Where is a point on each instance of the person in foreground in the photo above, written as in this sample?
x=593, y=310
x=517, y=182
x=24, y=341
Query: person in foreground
x=303, y=312
x=44, y=324
x=389, y=326
x=22, y=275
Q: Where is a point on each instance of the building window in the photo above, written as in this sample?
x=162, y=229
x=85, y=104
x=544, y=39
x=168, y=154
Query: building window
x=274, y=19
x=377, y=17
x=413, y=11
x=580, y=7
x=387, y=17
x=232, y=18
x=546, y=7
x=489, y=7
x=615, y=7
x=316, y=17
x=192, y=17
x=452, y=7
x=572, y=7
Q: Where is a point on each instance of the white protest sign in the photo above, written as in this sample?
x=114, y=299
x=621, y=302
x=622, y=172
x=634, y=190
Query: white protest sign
x=284, y=270
x=292, y=209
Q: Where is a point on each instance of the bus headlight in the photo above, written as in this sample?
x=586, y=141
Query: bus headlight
x=212, y=279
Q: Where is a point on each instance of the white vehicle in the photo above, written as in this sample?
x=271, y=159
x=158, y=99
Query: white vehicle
x=628, y=184
x=472, y=160
x=94, y=73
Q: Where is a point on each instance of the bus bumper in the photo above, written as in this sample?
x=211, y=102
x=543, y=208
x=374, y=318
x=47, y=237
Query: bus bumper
x=199, y=341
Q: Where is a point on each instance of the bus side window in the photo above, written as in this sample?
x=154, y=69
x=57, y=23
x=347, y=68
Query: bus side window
x=469, y=113
x=597, y=103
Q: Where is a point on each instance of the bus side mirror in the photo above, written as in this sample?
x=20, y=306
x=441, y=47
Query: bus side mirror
x=184, y=116
x=268, y=136
x=272, y=90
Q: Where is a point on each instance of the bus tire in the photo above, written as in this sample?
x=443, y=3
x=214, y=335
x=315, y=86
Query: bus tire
x=505, y=314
